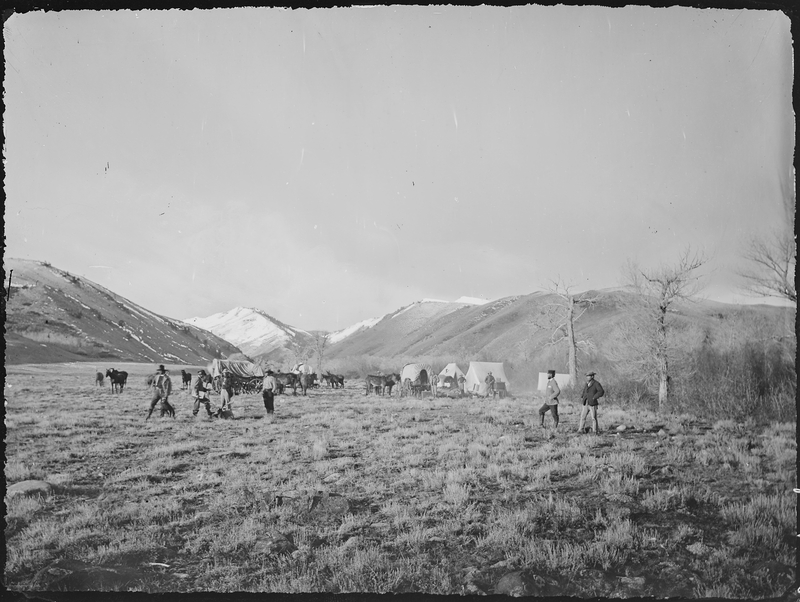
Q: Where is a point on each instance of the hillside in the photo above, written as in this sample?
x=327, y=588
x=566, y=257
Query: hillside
x=516, y=331
x=54, y=316
x=255, y=332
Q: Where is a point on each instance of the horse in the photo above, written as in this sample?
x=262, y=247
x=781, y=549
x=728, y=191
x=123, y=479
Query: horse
x=186, y=379
x=98, y=379
x=380, y=383
x=118, y=379
x=334, y=380
x=306, y=381
x=286, y=379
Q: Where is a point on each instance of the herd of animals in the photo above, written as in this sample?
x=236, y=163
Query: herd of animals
x=378, y=384
x=285, y=380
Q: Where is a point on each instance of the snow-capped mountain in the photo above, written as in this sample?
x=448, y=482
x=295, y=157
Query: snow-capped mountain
x=256, y=332
x=340, y=335
x=437, y=306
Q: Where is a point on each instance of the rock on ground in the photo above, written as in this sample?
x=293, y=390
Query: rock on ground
x=75, y=575
x=32, y=487
x=517, y=583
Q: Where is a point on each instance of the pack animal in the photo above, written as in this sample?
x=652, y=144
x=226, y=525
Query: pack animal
x=186, y=379
x=306, y=381
x=380, y=383
x=334, y=380
x=118, y=379
x=286, y=379
x=98, y=379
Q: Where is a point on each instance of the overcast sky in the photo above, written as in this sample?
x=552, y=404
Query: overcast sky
x=332, y=165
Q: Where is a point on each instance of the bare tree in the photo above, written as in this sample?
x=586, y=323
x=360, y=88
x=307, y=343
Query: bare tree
x=318, y=344
x=656, y=291
x=560, y=317
x=772, y=259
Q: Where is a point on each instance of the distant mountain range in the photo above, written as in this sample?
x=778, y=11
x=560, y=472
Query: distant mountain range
x=54, y=316
x=259, y=335
x=254, y=331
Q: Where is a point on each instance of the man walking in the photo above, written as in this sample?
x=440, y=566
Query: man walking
x=201, y=394
x=592, y=391
x=226, y=389
x=551, y=393
x=268, y=393
x=162, y=387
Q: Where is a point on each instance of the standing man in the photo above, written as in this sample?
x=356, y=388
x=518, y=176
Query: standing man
x=162, y=387
x=592, y=391
x=268, y=393
x=201, y=389
x=551, y=393
x=462, y=386
x=434, y=385
x=489, y=380
x=226, y=389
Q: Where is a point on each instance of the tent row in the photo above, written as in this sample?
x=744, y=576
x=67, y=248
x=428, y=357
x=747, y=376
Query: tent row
x=474, y=378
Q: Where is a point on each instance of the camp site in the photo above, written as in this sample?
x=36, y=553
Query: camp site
x=420, y=301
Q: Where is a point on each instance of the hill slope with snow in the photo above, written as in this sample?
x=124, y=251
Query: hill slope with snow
x=55, y=316
x=255, y=332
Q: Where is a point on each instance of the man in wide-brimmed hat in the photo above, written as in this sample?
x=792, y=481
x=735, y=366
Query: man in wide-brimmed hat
x=201, y=389
x=162, y=387
x=551, y=393
x=592, y=391
x=270, y=385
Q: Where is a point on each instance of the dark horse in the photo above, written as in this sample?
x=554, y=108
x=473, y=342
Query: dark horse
x=306, y=381
x=118, y=379
x=186, y=379
x=380, y=383
x=98, y=379
x=287, y=379
x=334, y=380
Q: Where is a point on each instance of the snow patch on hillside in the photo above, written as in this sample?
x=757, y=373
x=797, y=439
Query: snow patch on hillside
x=472, y=300
x=244, y=327
x=339, y=335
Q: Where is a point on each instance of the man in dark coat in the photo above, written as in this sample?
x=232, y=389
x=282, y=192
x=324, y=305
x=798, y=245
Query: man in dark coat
x=201, y=390
x=162, y=387
x=268, y=392
x=592, y=391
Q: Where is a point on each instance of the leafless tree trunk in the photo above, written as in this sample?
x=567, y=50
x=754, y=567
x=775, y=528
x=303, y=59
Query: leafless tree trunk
x=772, y=259
x=565, y=312
x=319, y=344
x=657, y=290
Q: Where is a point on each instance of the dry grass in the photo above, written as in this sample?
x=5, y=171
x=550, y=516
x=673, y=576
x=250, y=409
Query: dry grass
x=444, y=496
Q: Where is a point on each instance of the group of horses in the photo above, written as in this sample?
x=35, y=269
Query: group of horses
x=381, y=384
x=241, y=385
x=118, y=379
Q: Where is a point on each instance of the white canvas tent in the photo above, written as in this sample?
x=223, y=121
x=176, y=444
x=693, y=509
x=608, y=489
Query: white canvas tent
x=563, y=380
x=452, y=370
x=477, y=373
x=413, y=371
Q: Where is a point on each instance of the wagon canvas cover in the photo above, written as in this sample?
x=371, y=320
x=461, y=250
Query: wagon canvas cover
x=237, y=368
x=477, y=373
x=412, y=371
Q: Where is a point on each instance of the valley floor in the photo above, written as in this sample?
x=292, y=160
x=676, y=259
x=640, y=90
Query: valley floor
x=339, y=492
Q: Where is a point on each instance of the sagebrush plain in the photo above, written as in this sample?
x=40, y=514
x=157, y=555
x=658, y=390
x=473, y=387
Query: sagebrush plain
x=342, y=492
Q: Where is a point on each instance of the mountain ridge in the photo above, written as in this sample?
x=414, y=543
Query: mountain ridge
x=53, y=315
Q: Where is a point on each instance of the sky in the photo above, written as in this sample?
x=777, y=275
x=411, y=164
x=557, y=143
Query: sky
x=332, y=165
